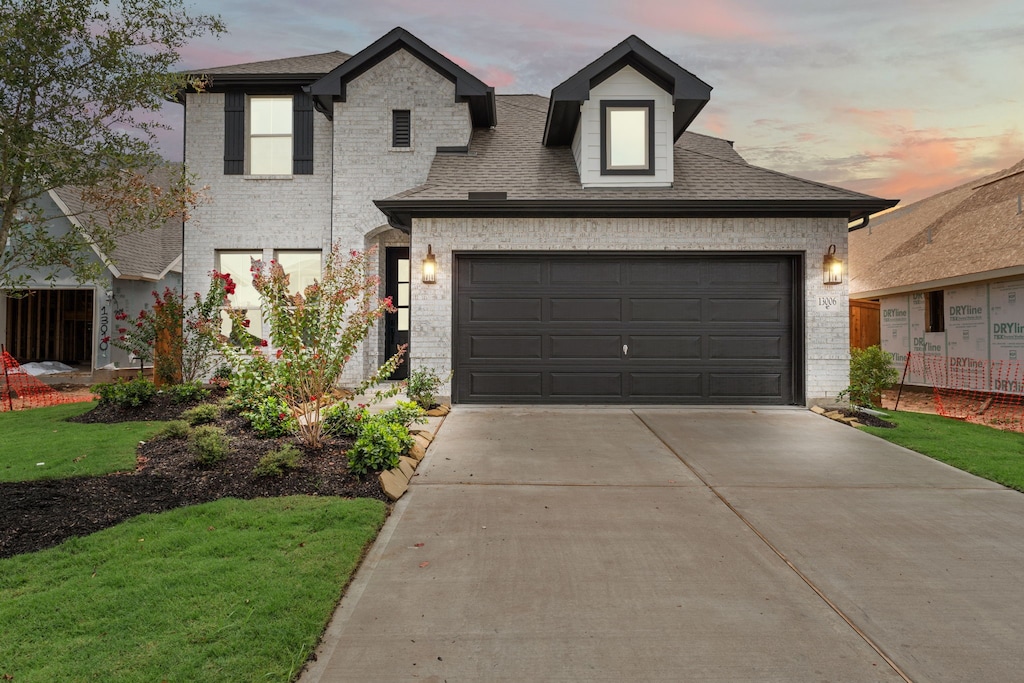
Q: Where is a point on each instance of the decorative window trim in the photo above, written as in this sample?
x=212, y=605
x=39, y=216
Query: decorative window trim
x=606, y=168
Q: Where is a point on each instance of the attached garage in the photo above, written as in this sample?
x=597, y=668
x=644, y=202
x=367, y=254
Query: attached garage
x=638, y=328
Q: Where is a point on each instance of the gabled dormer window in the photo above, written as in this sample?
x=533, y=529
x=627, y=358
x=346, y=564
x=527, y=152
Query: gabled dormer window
x=627, y=137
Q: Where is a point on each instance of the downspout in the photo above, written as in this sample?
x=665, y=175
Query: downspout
x=864, y=223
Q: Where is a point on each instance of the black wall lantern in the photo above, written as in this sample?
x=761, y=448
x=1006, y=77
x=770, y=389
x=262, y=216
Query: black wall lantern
x=832, y=268
x=429, y=268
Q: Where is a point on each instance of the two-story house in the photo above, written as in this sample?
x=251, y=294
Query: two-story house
x=579, y=248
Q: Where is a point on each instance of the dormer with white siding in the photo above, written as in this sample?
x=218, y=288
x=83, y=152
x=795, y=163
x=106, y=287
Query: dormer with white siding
x=622, y=114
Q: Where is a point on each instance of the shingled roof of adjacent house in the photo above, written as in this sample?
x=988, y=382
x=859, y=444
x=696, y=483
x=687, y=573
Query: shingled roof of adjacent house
x=710, y=176
x=972, y=232
x=296, y=71
x=143, y=255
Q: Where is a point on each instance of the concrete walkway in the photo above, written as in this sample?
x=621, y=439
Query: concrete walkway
x=656, y=544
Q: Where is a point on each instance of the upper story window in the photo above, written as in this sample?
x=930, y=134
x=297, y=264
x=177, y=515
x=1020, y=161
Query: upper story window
x=270, y=135
x=627, y=137
x=401, y=128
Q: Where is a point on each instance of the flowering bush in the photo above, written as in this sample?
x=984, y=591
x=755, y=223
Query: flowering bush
x=315, y=333
x=177, y=339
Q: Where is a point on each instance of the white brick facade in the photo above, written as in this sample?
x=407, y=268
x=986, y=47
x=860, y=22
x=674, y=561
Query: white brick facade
x=826, y=335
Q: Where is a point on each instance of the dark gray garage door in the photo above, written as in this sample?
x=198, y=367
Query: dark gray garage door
x=535, y=328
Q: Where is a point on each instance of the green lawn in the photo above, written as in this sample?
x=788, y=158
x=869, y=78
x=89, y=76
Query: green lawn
x=66, y=449
x=227, y=591
x=990, y=453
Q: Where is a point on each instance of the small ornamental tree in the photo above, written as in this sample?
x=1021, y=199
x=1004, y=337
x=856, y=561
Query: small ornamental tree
x=314, y=334
x=871, y=371
x=177, y=339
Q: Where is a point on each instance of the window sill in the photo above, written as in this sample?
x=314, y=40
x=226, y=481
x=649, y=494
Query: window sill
x=402, y=149
x=267, y=177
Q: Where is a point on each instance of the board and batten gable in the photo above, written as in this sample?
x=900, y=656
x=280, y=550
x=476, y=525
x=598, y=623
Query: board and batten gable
x=627, y=84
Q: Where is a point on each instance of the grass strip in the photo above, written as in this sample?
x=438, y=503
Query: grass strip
x=226, y=591
x=66, y=449
x=986, y=452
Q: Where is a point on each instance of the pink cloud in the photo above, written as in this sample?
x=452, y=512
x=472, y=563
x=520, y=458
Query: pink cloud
x=492, y=75
x=720, y=19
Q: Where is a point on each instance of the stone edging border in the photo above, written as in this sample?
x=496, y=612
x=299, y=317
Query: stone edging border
x=395, y=482
x=836, y=415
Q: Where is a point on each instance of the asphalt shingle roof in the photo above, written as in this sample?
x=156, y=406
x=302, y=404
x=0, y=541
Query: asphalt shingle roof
x=321, y=63
x=511, y=158
x=138, y=255
x=973, y=228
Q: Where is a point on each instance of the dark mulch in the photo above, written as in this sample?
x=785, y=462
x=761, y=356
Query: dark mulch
x=868, y=419
x=41, y=514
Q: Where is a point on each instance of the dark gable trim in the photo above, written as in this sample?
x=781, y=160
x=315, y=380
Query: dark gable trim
x=234, y=133
x=400, y=212
x=634, y=104
x=468, y=88
x=689, y=93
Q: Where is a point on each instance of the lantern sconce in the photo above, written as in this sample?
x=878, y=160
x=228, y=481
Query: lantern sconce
x=832, y=268
x=429, y=268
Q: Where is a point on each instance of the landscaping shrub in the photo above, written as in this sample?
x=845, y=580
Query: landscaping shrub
x=202, y=414
x=272, y=418
x=378, y=446
x=871, y=371
x=124, y=393
x=277, y=462
x=404, y=413
x=422, y=385
x=188, y=392
x=209, y=445
x=175, y=429
x=342, y=419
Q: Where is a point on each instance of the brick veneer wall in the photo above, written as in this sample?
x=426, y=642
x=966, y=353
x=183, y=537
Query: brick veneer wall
x=826, y=341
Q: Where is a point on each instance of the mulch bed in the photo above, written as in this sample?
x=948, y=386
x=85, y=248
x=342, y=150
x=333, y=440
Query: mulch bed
x=40, y=514
x=868, y=419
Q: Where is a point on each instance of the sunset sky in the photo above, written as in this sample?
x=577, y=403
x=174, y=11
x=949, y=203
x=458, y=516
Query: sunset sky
x=900, y=99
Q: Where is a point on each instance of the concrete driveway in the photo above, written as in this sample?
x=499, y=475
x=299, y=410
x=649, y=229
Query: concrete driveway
x=609, y=544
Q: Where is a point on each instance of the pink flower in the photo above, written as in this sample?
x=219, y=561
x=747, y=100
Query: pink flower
x=280, y=353
x=105, y=340
x=263, y=342
x=245, y=323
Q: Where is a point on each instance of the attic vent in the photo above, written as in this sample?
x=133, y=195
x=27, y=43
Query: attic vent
x=401, y=128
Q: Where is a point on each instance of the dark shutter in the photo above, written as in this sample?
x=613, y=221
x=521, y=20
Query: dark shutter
x=234, y=133
x=401, y=128
x=302, y=134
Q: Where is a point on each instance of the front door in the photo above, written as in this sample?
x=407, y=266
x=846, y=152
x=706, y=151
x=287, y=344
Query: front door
x=396, y=325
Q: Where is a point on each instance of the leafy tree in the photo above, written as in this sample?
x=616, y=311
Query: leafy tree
x=79, y=82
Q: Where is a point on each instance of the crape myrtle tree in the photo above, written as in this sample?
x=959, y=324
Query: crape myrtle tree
x=80, y=82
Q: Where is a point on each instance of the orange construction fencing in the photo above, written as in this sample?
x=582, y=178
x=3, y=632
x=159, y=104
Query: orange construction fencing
x=20, y=390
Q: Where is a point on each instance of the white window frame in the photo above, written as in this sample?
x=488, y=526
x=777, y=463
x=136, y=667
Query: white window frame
x=255, y=161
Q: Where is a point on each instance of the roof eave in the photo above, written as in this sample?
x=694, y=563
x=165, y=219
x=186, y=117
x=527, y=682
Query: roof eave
x=400, y=212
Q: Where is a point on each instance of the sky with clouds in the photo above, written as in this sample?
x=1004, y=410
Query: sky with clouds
x=896, y=98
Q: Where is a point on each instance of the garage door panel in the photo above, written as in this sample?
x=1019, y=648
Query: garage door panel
x=745, y=347
x=505, y=309
x=666, y=385
x=657, y=272
x=745, y=310
x=744, y=273
x=680, y=347
x=586, y=385
x=502, y=272
x=505, y=347
x=699, y=329
x=586, y=309
x=585, y=347
x=576, y=272
x=520, y=385
x=664, y=310
x=744, y=385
